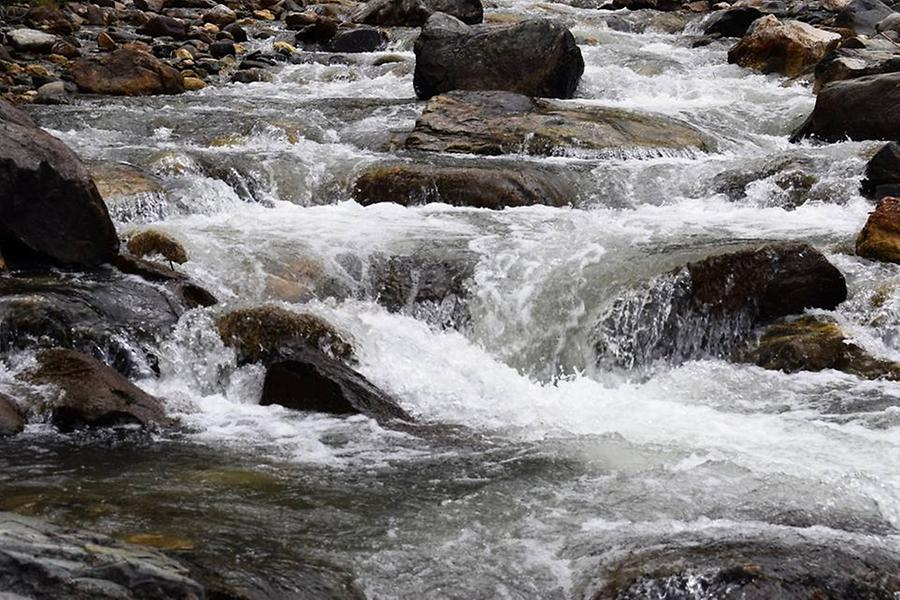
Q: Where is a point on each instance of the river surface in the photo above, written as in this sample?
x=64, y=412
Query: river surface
x=543, y=461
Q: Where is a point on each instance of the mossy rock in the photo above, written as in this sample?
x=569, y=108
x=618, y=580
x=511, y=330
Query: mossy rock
x=265, y=333
x=152, y=242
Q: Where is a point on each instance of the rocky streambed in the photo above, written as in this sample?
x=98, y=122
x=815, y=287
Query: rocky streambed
x=443, y=299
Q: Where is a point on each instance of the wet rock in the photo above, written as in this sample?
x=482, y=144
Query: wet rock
x=788, y=47
x=194, y=84
x=358, y=39
x=862, y=16
x=126, y=72
x=859, y=109
x=503, y=123
x=814, y=344
x=38, y=560
x=129, y=193
x=266, y=333
x=317, y=29
x=152, y=242
x=31, y=40
x=237, y=33
x=481, y=187
x=92, y=394
x=880, y=237
x=883, y=173
x=251, y=76
x=52, y=93
x=414, y=13
x=312, y=380
x=11, y=420
x=162, y=26
x=220, y=15
x=850, y=63
x=536, y=57
x=155, y=6
x=50, y=210
x=731, y=22
x=222, y=49
x=187, y=293
x=51, y=19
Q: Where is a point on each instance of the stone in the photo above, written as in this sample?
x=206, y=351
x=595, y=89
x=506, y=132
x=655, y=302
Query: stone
x=505, y=123
x=358, y=39
x=318, y=30
x=787, y=47
x=51, y=19
x=859, y=109
x=862, y=16
x=535, y=57
x=731, y=22
x=52, y=93
x=880, y=237
x=414, y=13
x=105, y=41
x=850, y=63
x=129, y=193
x=220, y=15
x=50, y=211
x=251, y=76
x=480, y=187
x=150, y=242
x=883, y=173
x=92, y=394
x=126, y=72
x=193, y=84
x=283, y=48
x=32, y=40
x=11, y=420
x=163, y=26
x=222, y=49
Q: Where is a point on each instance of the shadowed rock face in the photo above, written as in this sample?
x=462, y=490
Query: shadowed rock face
x=126, y=72
x=50, y=210
x=503, y=123
x=883, y=173
x=536, y=57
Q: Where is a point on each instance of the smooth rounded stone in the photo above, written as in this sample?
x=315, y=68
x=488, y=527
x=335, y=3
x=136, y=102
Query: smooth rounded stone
x=51, y=19
x=752, y=569
x=39, y=560
x=731, y=22
x=222, y=49
x=865, y=108
x=850, y=63
x=883, y=173
x=480, y=187
x=50, y=209
x=311, y=380
x=414, y=13
x=52, y=93
x=506, y=123
x=11, y=420
x=787, y=47
x=220, y=15
x=880, y=237
x=194, y=84
x=31, y=40
x=126, y=72
x=358, y=39
x=814, y=343
x=238, y=33
x=92, y=394
x=862, y=16
x=536, y=57
x=163, y=26
x=251, y=76
x=266, y=333
x=152, y=242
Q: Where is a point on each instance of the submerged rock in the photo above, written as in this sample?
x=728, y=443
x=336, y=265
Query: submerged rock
x=813, y=344
x=788, y=47
x=880, y=237
x=506, y=123
x=93, y=394
x=859, y=109
x=11, y=419
x=126, y=72
x=883, y=173
x=481, y=187
x=152, y=242
x=536, y=57
x=50, y=210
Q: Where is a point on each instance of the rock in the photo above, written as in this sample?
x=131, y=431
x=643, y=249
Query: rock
x=850, y=63
x=414, y=13
x=317, y=30
x=883, y=173
x=129, y=193
x=311, y=380
x=862, y=16
x=52, y=93
x=193, y=84
x=480, y=187
x=155, y=6
x=220, y=15
x=536, y=57
x=50, y=210
x=105, y=41
x=251, y=76
x=731, y=22
x=51, y=19
x=126, y=72
x=283, y=48
x=91, y=394
x=162, y=26
x=470, y=12
x=31, y=40
x=504, y=123
x=152, y=241
x=859, y=109
x=788, y=47
x=358, y=39
x=222, y=49
x=880, y=237
x=237, y=33
x=11, y=420
x=814, y=344
x=38, y=560
x=267, y=333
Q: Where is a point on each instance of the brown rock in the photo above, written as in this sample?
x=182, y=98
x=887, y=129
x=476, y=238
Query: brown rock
x=126, y=72
x=787, y=47
x=49, y=18
x=880, y=237
x=152, y=241
x=106, y=42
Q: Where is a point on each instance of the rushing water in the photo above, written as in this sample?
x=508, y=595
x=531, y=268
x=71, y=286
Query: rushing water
x=543, y=462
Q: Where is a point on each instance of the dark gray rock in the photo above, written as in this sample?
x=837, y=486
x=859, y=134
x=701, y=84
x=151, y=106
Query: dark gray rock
x=851, y=63
x=414, y=13
x=883, y=173
x=731, y=22
x=358, y=39
x=863, y=15
x=11, y=419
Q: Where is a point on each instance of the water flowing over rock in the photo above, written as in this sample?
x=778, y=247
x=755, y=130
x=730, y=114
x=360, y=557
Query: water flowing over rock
x=11, y=420
x=92, y=394
x=859, y=109
x=880, y=237
x=788, y=47
x=536, y=57
x=152, y=241
x=508, y=123
x=126, y=72
x=883, y=173
x=50, y=210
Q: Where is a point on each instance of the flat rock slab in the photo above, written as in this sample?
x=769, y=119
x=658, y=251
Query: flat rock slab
x=494, y=123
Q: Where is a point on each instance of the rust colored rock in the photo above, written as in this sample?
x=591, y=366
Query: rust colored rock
x=880, y=237
x=126, y=72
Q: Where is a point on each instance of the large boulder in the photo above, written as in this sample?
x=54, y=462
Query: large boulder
x=11, y=419
x=814, y=344
x=731, y=22
x=850, y=63
x=880, y=237
x=862, y=16
x=866, y=108
x=506, y=123
x=126, y=72
x=414, y=13
x=789, y=47
x=883, y=173
x=92, y=394
x=50, y=210
x=32, y=40
x=536, y=57
x=480, y=187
